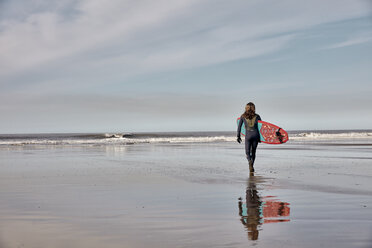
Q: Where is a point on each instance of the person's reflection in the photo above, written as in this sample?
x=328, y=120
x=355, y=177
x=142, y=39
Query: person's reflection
x=259, y=210
x=250, y=213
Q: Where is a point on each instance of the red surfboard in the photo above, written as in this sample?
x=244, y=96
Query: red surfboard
x=269, y=133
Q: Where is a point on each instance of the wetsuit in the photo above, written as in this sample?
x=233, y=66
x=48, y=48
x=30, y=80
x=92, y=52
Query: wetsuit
x=252, y=136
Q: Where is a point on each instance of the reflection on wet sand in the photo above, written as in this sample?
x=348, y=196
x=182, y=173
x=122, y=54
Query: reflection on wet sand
x=260, y=210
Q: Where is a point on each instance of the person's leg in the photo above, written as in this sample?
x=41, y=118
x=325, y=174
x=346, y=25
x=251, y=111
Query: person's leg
x=248, y=146
x=248, y=152
x=254, y=144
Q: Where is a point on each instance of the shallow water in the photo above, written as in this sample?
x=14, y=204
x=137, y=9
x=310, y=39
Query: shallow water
x=185, y=195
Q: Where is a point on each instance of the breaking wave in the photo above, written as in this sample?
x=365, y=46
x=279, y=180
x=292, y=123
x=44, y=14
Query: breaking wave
x=175, y=137
x=114, y=139
x=331, y=135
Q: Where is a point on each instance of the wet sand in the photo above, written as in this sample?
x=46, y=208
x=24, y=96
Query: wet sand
x=186, y=195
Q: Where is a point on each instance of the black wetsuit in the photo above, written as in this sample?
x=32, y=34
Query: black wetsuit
x=252, y=136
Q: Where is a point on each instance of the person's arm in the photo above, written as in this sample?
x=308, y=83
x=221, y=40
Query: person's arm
x=239, y=139
x=259, y=119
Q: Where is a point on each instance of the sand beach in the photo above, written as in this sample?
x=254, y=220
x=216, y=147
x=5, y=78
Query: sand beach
x=309, y=192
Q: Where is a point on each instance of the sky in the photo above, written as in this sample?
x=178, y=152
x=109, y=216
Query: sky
x=183, y=65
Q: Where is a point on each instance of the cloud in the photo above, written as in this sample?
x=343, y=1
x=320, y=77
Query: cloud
x=134, y=37
x=48, y=36
x=59, y=59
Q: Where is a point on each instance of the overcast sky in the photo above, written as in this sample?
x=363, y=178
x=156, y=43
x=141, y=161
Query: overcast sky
x=183, y=65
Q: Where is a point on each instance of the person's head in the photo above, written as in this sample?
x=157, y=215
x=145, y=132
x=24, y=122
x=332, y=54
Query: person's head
x=250, y=110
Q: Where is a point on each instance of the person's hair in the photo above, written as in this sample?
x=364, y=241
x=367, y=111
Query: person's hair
x=250, y=112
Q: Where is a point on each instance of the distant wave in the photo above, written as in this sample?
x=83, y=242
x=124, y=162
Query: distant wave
x=324, y=135
x=113, y=139
x=175, y=137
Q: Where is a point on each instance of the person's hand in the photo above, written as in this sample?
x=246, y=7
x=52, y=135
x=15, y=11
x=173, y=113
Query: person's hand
x=239, y=139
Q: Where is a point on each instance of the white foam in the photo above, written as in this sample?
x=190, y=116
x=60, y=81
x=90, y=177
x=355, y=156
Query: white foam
x=331, y=136
x=115, y=135
x=118, y=140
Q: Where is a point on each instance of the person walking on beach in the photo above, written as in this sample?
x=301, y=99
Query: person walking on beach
x=252, y=136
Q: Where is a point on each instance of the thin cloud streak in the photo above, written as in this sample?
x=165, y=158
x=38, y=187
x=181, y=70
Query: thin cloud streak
x=352, y=42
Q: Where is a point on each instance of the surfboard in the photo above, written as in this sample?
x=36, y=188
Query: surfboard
x=269, y=133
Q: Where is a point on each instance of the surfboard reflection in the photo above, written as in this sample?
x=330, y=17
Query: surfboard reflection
x=259, y=210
